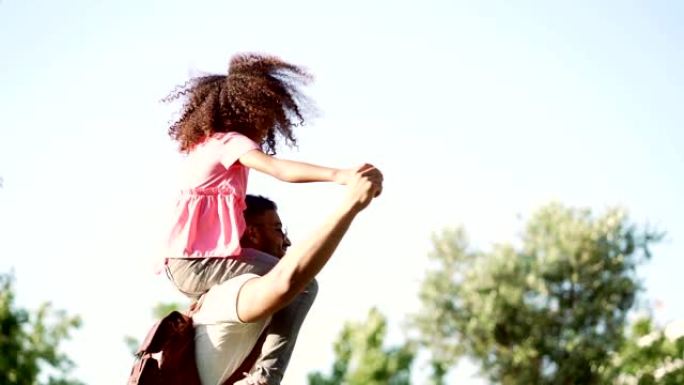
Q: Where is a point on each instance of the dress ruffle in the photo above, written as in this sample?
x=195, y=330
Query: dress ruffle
x=210, y=224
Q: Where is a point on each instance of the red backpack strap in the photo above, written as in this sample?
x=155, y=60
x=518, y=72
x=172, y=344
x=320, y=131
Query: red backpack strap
x=168, y=342
x=195, y=306
x=248, y=362
x=159, y=333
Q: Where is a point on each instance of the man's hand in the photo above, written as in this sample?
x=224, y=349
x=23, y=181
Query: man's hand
x=348, y=176
x=364, y=185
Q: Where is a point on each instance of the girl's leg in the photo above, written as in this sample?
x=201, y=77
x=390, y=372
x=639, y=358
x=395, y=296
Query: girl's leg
x=195, y=276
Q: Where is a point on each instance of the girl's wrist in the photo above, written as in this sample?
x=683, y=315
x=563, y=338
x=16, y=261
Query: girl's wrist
x=341, y=176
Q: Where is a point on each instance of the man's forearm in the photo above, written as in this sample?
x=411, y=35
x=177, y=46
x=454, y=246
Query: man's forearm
x=264, y=296
x=275, y=290
x=305, y=261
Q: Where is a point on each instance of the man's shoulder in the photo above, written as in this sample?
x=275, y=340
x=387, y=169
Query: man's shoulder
x=219, y=304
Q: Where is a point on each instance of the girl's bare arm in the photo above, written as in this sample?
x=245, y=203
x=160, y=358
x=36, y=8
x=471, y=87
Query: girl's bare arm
x=294, y=171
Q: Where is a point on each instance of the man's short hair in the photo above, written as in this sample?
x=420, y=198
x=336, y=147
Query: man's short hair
x=257, y=205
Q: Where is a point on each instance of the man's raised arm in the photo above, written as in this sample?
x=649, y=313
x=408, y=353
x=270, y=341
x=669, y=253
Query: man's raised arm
x=261, y=297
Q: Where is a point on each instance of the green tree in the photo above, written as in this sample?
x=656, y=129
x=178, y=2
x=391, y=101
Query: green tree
x=29, y=343
x=551, y=310
x=651, y=356
x=362, y=359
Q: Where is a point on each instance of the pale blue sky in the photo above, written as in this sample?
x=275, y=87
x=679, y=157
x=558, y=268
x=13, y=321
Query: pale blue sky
x=478, y=112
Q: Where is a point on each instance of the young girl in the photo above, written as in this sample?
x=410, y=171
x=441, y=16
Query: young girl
x=228, y=125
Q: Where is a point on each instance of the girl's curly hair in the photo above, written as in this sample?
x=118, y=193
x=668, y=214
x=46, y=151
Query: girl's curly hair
x=259, y=98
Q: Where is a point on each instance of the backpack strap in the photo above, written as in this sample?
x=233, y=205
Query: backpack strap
x=157, y=336
x=249, y=361
x=195, y=306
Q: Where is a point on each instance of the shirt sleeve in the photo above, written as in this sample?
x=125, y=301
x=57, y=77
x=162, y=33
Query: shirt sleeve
x=220, y=302
x=234, y=146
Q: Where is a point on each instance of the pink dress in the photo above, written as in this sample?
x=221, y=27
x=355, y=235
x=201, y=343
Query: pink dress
x=208, y=218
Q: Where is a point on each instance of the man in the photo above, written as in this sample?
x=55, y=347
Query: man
x=234, y=313
x=265, y=233
x=264, y=230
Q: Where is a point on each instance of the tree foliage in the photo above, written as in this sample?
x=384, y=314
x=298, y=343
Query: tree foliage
x=551, y=310
x=651, y=356
x=29, y=343
x=362, y=359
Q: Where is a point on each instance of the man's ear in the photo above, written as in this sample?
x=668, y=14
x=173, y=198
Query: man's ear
x=251, y=235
